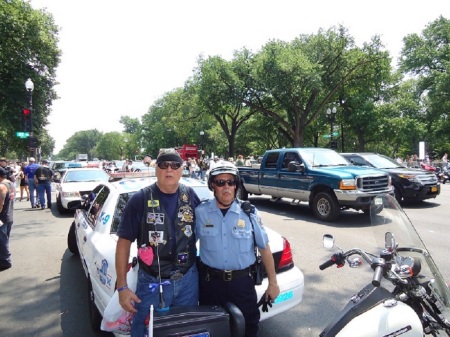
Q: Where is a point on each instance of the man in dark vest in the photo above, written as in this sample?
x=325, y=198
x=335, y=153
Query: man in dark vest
x=161, y=218
x=43, y=179
x=6, y=218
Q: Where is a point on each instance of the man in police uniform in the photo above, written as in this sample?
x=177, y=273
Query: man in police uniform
x=161, y=218
x=227, y=249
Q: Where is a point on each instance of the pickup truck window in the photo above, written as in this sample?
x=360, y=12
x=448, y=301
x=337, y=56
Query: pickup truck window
x=288, y=157
x=272, y=160
x=323, y=158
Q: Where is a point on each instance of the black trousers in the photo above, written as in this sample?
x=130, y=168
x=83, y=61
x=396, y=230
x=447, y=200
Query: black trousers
x=240, y=291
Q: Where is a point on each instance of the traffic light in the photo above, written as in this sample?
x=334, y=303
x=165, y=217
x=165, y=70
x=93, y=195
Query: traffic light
x=27, y=124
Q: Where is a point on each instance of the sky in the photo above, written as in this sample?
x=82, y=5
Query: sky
x=119, y=57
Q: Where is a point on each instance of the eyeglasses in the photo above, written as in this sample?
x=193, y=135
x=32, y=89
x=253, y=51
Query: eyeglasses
x=147, y=163
x=221, y=183
x=165, y=164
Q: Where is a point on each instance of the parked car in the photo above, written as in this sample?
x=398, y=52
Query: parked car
x=92, y=236
x=60, y=167
x=410, y=184
x=75, y=183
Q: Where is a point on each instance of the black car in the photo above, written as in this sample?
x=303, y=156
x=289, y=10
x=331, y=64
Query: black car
x=410, y=184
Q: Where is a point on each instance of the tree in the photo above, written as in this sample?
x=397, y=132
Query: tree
x=28, y=40
x=111, y=146
x=293, y=83
x=81, y=142
x=427, y=57
x=221, y=93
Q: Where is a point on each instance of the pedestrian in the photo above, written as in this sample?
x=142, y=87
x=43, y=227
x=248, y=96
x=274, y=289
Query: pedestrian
x=227, y=238
x=43, y=180
x=203, y=165
x=6, y=218
x=445, y=162
x=23, y=183
x=29, y=172
x=160, y=217
x=10, y=172
x=240, y=160
x=147, y=160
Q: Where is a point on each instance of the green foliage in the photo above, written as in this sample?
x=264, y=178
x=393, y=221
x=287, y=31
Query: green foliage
x=28, y=40
x=275, y=97
x=81, y=142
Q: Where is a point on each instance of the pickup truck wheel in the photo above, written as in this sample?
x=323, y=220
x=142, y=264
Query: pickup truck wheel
x=242, y=193
x=326, y=207
x=72, y=240
x=95, y=317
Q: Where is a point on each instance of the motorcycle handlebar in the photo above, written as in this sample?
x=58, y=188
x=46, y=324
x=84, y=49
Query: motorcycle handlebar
x=327, y=264
x=376, y=281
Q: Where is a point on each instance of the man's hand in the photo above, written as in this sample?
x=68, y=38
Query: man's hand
x=127, y=298
x=272, y=292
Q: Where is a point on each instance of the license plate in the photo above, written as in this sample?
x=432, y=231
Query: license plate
x=434, y=189
x=283, y=297
x=203, y=334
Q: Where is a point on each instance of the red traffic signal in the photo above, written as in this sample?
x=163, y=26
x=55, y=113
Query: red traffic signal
x=27, y=124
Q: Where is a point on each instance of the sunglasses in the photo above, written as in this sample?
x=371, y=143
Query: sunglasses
x=173, y=164
x=221, y=183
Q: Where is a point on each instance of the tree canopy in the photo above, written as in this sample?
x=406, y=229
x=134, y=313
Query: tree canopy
x=28, y=40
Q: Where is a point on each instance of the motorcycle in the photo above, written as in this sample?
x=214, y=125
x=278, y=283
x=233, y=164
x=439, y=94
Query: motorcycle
x=445, y=176
x=414, y=302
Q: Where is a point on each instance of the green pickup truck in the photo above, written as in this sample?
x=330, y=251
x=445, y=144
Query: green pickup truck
x=321, y=177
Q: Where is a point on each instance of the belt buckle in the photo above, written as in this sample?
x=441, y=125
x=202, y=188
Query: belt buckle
x=227, y=275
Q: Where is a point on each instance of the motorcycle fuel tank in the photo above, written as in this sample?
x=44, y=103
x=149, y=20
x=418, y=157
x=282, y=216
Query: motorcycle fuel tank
x=387, y=319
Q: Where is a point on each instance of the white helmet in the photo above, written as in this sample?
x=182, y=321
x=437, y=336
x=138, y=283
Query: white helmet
x=224, y=167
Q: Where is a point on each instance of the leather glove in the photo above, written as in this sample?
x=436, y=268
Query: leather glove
x=264, y=303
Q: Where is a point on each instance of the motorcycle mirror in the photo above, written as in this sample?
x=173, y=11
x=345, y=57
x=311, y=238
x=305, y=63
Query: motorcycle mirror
x=389, y=241
x=355, y=262
x=328, y=241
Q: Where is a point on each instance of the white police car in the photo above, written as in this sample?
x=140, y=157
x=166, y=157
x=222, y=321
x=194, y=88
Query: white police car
x=92, y=236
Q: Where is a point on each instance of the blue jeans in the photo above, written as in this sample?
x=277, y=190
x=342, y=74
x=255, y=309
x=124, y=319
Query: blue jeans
x=43, y=190
x=5, y=254
x=32, y=188
x=180, y=292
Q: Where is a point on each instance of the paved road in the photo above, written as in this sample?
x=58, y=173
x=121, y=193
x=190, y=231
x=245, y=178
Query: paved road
x=45, y=293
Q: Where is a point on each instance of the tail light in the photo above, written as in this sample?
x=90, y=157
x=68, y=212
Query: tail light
x=286, y=261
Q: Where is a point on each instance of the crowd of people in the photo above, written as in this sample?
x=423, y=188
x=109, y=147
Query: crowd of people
x=26, y=178
x=414, y=161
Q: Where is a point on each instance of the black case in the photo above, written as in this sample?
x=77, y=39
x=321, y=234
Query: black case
x=185, y=321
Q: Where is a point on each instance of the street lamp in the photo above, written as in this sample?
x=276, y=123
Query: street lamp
x=331, y=115
x=202, y=135
x=29, y=86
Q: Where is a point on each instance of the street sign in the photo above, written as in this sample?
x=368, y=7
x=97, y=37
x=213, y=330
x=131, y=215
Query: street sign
x=22, y=135
x=335, y=134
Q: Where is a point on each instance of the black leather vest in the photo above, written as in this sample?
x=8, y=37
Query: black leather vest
x=156, y=227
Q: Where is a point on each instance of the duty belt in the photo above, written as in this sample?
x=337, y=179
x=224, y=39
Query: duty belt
x=226, y=275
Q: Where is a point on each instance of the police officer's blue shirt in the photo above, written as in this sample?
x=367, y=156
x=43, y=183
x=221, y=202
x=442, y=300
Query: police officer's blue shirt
x=226, y=242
